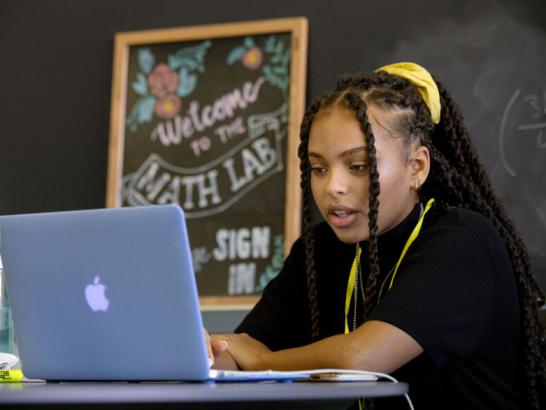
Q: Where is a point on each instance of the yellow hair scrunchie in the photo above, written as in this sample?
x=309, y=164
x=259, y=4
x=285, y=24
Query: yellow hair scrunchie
x=422, y=80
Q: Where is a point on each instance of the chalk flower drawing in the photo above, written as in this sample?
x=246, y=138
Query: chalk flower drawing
x=277, y=261
x=200, y=257
x=161, y=86
x=163, y=81
x=252, y=57
x=168, y=106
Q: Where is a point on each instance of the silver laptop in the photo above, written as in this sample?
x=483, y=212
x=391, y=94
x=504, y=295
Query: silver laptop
x=107, y=294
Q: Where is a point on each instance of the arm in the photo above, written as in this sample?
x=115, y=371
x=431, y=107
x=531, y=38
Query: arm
x=375, y=346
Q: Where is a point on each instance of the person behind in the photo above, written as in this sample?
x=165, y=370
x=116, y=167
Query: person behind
x=416, y=271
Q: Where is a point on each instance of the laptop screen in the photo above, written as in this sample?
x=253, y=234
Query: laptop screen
x=105, y=294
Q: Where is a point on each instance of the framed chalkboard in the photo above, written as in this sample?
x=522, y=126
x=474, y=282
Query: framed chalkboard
x=208, y=117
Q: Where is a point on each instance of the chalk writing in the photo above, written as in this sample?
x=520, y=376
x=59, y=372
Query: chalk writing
x=242, y=277
x=173, y=131
x=206, y=125
x=242, y=243
x=534, y=109
x=200, y=145
x=538, y=105
x=227, y=132
x=213, y=187
x=242, y=248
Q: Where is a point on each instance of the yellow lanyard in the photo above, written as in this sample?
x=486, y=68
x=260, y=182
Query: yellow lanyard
x=356, y=261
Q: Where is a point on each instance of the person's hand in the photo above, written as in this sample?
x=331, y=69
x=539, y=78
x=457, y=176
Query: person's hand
x=215, y=346
x=247, y=352
x=216, y=349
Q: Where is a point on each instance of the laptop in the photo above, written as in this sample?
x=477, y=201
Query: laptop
x=108, y=294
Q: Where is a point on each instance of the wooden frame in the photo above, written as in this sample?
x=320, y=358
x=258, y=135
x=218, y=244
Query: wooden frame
x=297, y=29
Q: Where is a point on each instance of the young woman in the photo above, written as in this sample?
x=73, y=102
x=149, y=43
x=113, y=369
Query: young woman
x=416, y=271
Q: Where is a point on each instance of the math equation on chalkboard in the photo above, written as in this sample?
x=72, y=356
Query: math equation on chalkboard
x=523, y=123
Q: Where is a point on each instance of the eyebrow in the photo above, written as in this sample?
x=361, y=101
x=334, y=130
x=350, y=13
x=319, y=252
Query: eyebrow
x=343, y=154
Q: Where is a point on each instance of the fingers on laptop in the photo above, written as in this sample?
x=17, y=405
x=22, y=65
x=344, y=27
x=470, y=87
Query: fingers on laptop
x=208, y=344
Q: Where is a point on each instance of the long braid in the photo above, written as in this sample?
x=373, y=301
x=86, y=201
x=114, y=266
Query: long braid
x=309, y=240
x=483, y=199
x=481, y=179
x=307, y=226
x=356, y=104
x=530, y=325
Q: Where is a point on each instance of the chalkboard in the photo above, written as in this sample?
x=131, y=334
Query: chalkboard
x=497, y=72
x=207, y=117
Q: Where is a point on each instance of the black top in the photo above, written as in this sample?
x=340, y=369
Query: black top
x=454, y=293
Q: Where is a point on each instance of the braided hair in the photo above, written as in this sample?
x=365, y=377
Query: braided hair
x=457, y=178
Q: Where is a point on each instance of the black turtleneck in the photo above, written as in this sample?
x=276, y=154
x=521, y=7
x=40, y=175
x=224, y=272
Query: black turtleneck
x=454, y=293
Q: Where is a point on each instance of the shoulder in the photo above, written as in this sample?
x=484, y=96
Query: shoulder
x=465, y=227
x=461, y=249
x=457, y=217
x=456, y=275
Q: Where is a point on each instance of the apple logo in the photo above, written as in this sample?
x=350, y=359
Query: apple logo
x=94, y=293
